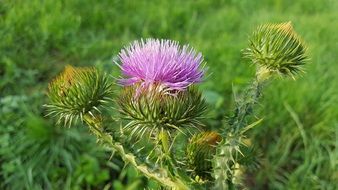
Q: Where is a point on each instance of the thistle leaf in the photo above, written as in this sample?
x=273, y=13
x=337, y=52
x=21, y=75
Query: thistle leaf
x=245, y=129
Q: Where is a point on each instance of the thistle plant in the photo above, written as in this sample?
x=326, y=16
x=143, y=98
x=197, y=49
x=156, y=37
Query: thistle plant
x=275, y=49
x=157, y=119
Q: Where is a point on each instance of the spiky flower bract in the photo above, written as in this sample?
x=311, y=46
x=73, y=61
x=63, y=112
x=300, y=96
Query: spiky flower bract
x=162, y=62
x=155, y=110
x=200, y=151
x=76, y=92
x=277, y=48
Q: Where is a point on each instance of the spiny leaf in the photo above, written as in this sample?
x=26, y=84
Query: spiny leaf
x=245, y=129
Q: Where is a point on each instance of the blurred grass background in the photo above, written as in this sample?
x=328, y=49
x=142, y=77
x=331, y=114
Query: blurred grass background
x=298, y=138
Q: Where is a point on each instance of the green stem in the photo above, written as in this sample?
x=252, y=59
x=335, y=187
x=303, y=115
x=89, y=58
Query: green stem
x=224, y=163
x=244, y=106
x=230, y=185
x=226, y=157
x=164, y=180
x=165, y=141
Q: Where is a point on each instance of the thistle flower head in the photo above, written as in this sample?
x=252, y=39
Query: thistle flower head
x=154, y=110
x=200, y=151
x=277, y=48
x=76, y=92
x=162, y=62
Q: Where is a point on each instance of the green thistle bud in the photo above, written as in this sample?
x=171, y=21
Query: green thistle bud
x=276, y=48
x=200, y=151
x=77, y=92
x=153, y=110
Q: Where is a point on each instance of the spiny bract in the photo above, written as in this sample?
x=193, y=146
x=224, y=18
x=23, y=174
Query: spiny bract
x=153, y=109
x=76, y=92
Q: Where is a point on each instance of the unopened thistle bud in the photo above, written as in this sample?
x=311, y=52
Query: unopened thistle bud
x=276, y=48
x=77, y=92
x=200, y=151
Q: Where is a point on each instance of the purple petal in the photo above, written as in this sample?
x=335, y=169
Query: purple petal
x=161, y=62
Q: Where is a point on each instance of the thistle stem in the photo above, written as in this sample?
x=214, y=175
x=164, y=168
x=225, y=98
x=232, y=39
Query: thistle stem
x=230, y=185
x=175, y=184
x=227, y=151
x=244, y=106
x=165, y=141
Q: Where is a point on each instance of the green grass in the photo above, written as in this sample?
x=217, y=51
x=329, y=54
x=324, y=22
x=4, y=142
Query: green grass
x=298, y=138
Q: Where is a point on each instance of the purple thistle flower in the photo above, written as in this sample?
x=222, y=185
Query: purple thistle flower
x=161, y=62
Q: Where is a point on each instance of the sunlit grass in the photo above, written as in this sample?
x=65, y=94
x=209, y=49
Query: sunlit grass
x=300, y=128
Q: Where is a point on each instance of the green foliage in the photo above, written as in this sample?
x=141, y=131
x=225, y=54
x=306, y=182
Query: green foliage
x=36, y=155
x=40, y=37
x=156, y=112
x=89, y=172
